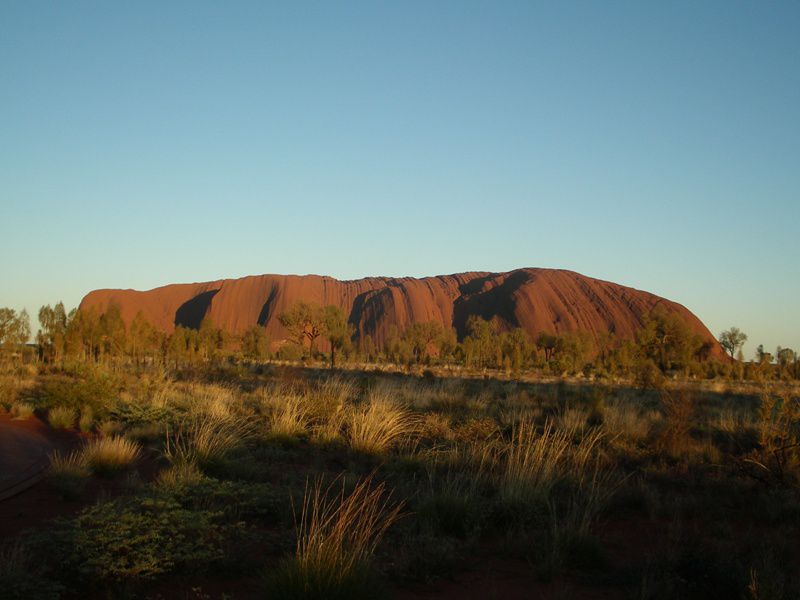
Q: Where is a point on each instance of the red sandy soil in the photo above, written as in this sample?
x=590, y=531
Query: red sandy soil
x=537, y=300
x=32, y=441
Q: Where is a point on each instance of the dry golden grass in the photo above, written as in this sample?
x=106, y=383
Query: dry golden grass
x=68, y=465
x=204, y=437
x=533, y=462
x=337, y=534
x=379, y=424
x=61, y=417
x=179, y=474
x=21, y=410
x=624, y=420
x=287, y=415
x=110, y=454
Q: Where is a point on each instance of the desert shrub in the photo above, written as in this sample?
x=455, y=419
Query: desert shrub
x=139, y=539
x=109, y=455
x=93, y=388
x=336, y=537
x=133, y=413
x=61, y=417
x=776, y=461
x=648, y=375
x=22, y=410
x=679, y=412
x=68, y=474
x=379, y=424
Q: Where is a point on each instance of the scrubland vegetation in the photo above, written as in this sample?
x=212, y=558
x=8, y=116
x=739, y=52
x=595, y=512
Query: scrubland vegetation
x=288, y=482
x=222, y=474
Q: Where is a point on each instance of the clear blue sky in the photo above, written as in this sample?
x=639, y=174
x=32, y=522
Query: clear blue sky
x=655, y=144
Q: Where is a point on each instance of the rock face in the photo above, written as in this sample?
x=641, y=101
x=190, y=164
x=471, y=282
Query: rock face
x=537, y=300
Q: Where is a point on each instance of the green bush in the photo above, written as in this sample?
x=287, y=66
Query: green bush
x=94, y=389
x=128, y=542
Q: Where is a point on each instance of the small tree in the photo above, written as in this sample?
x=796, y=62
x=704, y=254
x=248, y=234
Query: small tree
x=52, y=338
x=304, y=322
x=337, y=330
x=211, y=338
x=15, y=329
x=422, y=335
x=547, y=342
x=254, y=343
x=732, y=339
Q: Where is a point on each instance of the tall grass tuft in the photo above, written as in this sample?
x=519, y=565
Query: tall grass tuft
x=68, y=473
x=535, y=461
x=21, y=410
x=337, y=534
x=204, y=437
x=532, y=461
x=179, y=475
x=61, y=417
x=287, y=415
x=379, y=424
x=108, y=455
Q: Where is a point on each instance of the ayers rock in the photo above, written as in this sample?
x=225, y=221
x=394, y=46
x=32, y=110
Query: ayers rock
x=537, y=300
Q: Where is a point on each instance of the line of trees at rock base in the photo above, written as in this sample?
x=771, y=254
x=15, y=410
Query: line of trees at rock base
x=665, y=345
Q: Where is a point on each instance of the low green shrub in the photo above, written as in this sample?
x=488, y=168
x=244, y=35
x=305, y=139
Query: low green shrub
x=93, y=388
x=138, y=540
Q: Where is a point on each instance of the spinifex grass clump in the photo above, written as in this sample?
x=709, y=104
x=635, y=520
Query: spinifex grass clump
x=21, y=410
x=205, y=437
x=68, y=473
x=534, y=462
x=179, y=475
x=379, y=424
x=287, y=415
x=108, y=455
x=61, y=417
x=336, y=538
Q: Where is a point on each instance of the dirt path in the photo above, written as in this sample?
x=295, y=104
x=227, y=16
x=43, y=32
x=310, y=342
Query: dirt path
x=24, y=449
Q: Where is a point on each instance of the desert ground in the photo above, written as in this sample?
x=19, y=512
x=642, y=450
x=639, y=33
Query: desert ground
x=268, y=479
